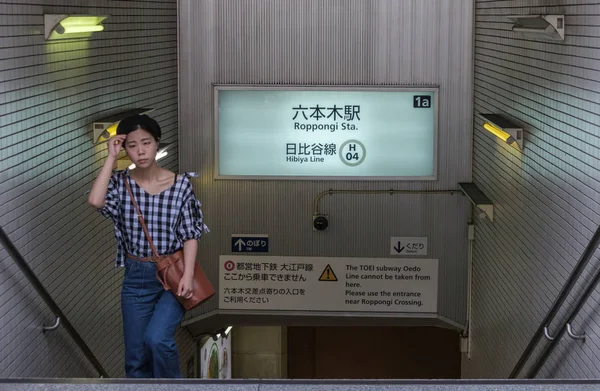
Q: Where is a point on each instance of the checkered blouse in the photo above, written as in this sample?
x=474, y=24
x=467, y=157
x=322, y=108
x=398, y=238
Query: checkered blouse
x=172, y=216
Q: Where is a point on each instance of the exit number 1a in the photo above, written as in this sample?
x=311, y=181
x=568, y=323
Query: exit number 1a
x=422, y=101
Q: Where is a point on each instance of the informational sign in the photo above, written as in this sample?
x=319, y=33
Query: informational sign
x=328, y=284
x=408, y=246
x=326, y=132
x=249, y=243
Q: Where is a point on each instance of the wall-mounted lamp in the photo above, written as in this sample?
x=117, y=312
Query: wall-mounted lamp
x=222, y=333
x=106, y=128
x=124, y=162
x=504, y=129
x=479, y=200
x=69, y=26
x=540, y=26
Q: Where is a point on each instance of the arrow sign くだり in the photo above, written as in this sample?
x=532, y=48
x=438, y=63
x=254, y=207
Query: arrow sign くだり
x=399, y=247
x=408, y=246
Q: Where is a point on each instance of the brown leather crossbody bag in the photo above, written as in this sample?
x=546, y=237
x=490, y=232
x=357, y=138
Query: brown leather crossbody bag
x=169, y=268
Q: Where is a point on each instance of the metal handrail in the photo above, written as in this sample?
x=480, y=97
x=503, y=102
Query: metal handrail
x=20, y=261
x=533, y=371
x=560, y=299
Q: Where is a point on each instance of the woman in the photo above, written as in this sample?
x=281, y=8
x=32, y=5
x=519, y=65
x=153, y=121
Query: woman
x=174, y=219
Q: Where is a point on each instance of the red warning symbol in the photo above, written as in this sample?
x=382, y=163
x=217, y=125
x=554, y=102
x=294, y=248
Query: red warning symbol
x=229, y=265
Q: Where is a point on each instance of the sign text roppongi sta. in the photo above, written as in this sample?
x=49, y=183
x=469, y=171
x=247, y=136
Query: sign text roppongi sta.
x=351, y=152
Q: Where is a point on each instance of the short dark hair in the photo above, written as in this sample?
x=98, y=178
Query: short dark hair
x=138, y=121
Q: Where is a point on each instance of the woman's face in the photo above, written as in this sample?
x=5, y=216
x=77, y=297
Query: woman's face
x=141, y=148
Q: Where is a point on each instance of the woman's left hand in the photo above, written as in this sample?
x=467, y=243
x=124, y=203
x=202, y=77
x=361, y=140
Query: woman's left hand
x=185, y=286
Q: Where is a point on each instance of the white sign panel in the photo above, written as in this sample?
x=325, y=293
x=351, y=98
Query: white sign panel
x=216, y=358
x=408, y=246
x=328, y=284
x=326, y=132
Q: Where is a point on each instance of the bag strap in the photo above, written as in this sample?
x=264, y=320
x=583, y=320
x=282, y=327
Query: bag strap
x=140, y=217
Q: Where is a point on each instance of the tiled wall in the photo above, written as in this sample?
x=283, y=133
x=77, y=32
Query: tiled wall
x=547, y=197
x=50, y=93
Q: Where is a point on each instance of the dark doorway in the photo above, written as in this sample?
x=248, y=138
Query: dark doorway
x=373, y=353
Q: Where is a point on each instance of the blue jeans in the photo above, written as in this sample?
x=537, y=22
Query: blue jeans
x=150, y=317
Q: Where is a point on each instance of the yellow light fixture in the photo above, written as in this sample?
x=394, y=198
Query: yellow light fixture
x=106, y=128
x=111, y=130
x=504, y=130
x=71, y=26
x=507, y=138
x=125, y=162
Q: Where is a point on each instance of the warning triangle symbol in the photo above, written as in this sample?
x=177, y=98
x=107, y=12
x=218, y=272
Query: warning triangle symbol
x=328, y=275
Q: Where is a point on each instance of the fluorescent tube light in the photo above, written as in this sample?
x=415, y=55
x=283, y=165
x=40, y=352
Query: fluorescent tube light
x=503, y=129
x=68, y=26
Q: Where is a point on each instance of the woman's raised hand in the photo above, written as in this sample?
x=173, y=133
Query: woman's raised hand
x=115, y=143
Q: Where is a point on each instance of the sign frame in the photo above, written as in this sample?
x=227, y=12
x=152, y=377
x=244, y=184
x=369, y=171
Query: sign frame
x=234, y=243
x=350, y=88
x=320, y=281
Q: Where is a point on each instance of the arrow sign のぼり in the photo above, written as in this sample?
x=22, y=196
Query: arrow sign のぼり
x=257, y=243
x=240, y=243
